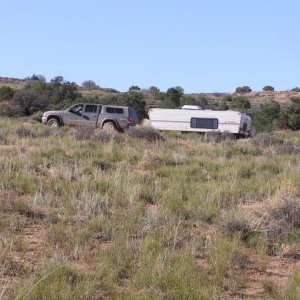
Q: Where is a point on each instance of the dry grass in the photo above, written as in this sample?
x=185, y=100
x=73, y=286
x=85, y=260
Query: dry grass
x=87, y=216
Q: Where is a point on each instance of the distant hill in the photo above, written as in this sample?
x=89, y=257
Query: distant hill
x=213, y=99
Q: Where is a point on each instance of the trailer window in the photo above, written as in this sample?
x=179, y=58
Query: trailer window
x=205, y=123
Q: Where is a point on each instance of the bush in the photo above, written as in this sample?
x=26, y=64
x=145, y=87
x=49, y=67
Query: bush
x=147, y=133
x=267, y=117
x=27, y=102
x=227, y=98
x=238, y=222
x=266, y=140
x=268, y=88
x=290, y=117
x=243, y=89
x=190, y=100
x=240, y=103
x=295, y=89
x=282, y=217
x=218, y=137
x=89, y=84
x=172, y=97
x=37, y=116
x=25, y=132
x=6, y=93
x=223, y=105
x=84, y=133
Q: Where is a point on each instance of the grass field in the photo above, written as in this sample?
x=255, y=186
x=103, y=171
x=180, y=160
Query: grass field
x=147, y=216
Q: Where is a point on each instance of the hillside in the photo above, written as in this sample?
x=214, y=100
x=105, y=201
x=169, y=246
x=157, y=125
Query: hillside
x=213, y=99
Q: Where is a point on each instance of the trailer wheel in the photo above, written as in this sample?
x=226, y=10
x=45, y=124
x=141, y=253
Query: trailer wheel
x=109, y=127
x=53, y=122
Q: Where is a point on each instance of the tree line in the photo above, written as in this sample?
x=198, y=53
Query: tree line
x=38, y=95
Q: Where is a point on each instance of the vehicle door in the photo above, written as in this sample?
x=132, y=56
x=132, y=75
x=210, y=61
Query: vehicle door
x=73, y=115
x=90, y=115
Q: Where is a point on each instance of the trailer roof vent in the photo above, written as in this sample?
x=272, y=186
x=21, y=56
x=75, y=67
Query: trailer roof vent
x=191, y=107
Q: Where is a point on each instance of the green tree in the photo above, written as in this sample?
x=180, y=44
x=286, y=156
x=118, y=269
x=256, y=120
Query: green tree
x=240, y=103
x=268, y=88
x=190, y=100
x=89, y=84
x=243, y=89
x=172, y=98
x=153, y=90
x=155, y=93
x=38, y=77
x=27, y=102
x=58, y=80
x=295, y=89
x=267, y=117
x=290, y=117
x=134, y=88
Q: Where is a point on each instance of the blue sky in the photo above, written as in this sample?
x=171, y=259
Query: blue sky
x=202, y=46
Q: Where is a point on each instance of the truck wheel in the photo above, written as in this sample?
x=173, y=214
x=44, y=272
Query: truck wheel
x=109, y=127
x=53, y=122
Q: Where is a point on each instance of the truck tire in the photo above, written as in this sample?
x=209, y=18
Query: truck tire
x=53, y=122
x=109, y=127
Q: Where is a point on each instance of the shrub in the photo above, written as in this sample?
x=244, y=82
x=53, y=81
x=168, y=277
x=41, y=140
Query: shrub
x=218, y=137
x=267, y=117
x=27, y=102
x=147, y=133
x=268, y=88
x=83, y=133
x=6, y=93
x=25, y=132
x=243, y=89
x=237, y=222
x=290, y=117
x=223, y=105
x=37, y=116
x=240, y=103
x=266, y=140
x=286, y=214
x=295, y=89
x=89, y=84
x=134, y=88
x=104, y=136
x=150, y=160
x=227, y=98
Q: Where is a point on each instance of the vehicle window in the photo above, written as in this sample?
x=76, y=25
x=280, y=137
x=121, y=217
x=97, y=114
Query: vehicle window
x=91, y=108
x=119, y=110
x=110, y=110
x=76, y=108
x=132, y=113
x=205, y=123
x=114, y=110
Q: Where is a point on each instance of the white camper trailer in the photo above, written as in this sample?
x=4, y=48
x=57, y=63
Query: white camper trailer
x=197, y=120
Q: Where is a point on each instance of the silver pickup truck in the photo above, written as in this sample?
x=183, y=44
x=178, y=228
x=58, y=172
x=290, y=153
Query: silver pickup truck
x=107, y=117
